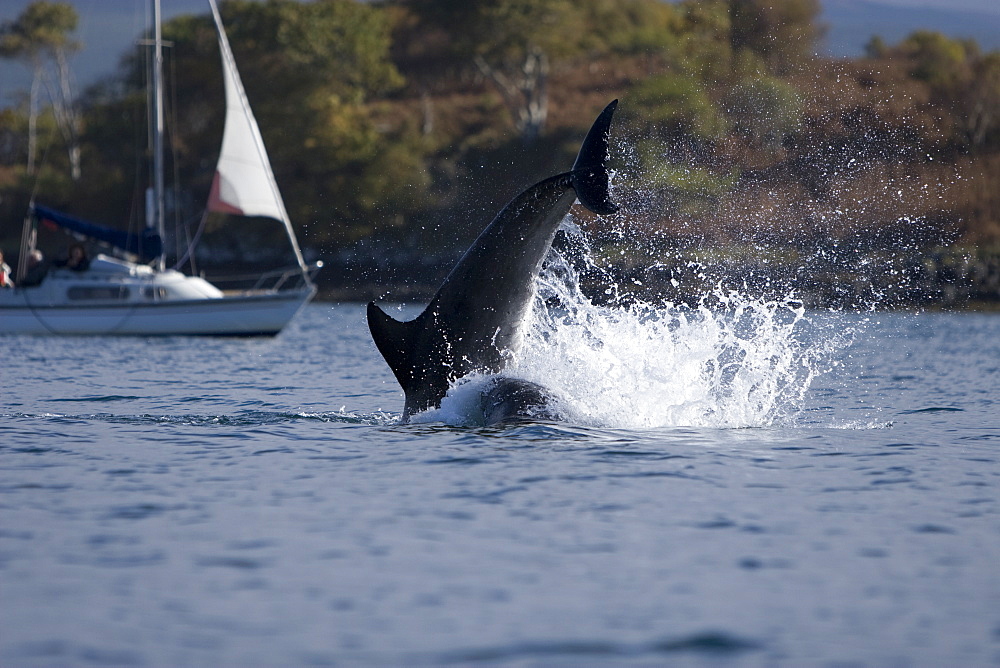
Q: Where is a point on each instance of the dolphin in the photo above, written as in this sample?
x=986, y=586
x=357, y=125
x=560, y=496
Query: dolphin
x=506, y=400
x=473, y=322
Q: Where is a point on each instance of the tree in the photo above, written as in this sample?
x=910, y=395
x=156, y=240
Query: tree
x=39, y=36
x=516, y=44
x=511, y=43
x=782, y=32
x=983, y=99
x=316, y=74
x=959, y=78
x=632, y=28
x=876, y=47
x=705, y=45
x=676, y=106
x=938, y=60
x=765, y=110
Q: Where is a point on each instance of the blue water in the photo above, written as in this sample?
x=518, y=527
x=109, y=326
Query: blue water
x=825, y=493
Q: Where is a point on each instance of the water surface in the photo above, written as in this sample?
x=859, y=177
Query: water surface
x=253, y=502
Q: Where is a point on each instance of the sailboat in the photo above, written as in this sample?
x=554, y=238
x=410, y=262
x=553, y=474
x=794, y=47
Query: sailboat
x=133, y=292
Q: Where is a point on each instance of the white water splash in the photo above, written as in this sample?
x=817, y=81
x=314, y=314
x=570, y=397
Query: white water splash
x=743, y=362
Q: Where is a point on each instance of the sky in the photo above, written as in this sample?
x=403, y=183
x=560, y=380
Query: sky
x=108, y=28
x=988, y=6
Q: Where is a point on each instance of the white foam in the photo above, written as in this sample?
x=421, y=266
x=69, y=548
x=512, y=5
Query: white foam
x=461, y=406
x=743, y=362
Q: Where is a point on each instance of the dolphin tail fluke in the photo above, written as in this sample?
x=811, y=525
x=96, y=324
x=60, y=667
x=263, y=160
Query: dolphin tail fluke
x=390, y=336
x=590, y=171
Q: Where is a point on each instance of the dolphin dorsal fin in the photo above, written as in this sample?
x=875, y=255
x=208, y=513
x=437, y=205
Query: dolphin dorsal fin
x=590, y=172
x=392, y=340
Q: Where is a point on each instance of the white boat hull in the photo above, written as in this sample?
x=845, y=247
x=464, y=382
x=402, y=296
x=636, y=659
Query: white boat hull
x=245, y=315
x=119, y=298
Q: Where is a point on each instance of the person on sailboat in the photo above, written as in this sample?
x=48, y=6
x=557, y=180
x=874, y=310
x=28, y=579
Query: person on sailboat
x=77, y=260
x=5, y=281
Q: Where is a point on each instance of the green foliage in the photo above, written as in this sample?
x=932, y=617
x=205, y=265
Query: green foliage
x=337, y=46
x=42, y=29
x=957, y=78
x=675, y=105
x=340, y=169
x=704, y=47
x=782, y=32
x=350, y=177
x=876, y=47
x=633, y=27
x=41, y=36
x=313, y=73
x=764, y=110
x=707, y=20
x=506, y=30
x=51, y=179
x=516, y=44
x=682, y=189
x=692, y=182
x=934, y=58
x=982, y=101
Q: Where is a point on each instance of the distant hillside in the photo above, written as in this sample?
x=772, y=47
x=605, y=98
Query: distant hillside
x=108, y=31
x=851, y=23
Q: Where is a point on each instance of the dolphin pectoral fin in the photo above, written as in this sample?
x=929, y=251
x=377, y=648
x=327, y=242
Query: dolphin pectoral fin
x=392, y=340
x=590, y=172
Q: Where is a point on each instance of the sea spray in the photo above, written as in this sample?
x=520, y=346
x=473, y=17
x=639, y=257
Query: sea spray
x=732, y=360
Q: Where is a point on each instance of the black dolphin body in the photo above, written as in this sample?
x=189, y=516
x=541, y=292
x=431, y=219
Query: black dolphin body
x=472, y=323
x=506, y=400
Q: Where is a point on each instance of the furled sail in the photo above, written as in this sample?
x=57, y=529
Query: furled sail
x=146, y=244
x=244, y=183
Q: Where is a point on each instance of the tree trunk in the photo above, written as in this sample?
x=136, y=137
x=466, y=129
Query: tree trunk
x=67, y=116
x=527, y=95
x=36, y=83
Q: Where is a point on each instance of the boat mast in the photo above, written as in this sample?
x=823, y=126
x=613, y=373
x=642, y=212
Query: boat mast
x=157, y=215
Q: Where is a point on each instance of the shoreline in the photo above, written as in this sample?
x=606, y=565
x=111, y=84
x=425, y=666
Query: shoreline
x=952, y=279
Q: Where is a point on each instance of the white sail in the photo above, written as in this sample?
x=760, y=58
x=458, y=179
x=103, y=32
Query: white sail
x=244, y=183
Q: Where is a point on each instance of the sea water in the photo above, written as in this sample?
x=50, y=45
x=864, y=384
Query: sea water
x=743, y=484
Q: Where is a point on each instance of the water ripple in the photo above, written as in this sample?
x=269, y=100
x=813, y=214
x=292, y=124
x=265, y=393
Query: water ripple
x=245, y=419
x=709, y=643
